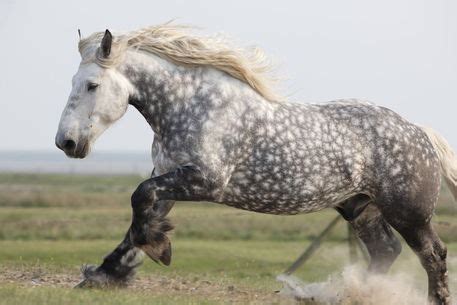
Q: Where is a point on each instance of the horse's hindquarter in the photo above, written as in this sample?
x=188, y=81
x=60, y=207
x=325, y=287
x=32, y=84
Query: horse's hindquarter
x=298, y=159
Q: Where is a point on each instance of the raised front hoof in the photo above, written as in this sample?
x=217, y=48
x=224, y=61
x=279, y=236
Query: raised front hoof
x=158, y=254
x=152, y=239
x=95, y=277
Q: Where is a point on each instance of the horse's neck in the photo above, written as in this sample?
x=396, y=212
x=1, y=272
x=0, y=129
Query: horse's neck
x=165, y=91
x=150, y=78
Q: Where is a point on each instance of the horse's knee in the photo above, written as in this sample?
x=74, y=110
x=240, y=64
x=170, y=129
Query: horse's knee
x=143, y=194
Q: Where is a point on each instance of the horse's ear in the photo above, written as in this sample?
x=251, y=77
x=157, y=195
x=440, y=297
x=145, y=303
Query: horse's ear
x=106, y=43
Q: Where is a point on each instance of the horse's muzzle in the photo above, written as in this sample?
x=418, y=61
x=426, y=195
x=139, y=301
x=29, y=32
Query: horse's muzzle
x=72, y=148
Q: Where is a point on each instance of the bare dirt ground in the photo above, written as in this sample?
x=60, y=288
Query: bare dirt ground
x=158, y=285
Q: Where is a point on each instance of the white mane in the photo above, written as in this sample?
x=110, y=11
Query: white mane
x=174, y=43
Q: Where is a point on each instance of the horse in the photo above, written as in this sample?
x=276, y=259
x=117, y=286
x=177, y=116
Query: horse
x=222, y=134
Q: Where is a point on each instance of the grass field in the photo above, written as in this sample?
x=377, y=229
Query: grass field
x=51, y=224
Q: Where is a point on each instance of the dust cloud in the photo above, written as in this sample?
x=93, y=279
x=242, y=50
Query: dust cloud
x=355, y=286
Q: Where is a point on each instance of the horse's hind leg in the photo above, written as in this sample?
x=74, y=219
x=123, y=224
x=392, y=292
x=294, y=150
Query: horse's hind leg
x=432, y=254
x=381, y=243
x=410, y=213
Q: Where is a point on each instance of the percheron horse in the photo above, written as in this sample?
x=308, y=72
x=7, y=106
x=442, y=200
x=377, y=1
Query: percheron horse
x=222, y=135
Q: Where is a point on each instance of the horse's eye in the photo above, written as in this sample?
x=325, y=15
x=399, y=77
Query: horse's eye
x=91, y=86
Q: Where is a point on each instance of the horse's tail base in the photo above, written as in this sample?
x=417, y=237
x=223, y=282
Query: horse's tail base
x=447, y=157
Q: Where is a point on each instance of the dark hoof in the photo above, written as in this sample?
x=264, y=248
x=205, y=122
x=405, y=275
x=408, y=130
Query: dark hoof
x=95, y=277
x=159, y=253
x=83, y=284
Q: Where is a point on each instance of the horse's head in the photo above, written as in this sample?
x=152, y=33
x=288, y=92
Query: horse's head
x=99, y=97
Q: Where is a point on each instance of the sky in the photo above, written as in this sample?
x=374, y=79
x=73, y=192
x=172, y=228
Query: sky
x=401, y=54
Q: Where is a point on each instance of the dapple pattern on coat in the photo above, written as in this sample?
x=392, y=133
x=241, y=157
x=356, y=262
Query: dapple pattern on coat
x=217, y=139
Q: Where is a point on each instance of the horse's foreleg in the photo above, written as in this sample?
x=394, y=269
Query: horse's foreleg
x=118, y=267
x=149, y=228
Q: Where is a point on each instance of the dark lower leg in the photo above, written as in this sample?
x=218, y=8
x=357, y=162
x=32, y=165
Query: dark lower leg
x=376, y=234
x=118, y=267
x=149, y=227
x=432, y=254
x=148, y=232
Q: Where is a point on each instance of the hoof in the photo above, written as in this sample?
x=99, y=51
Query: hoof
x=83, y=284
x=95, y=277
x=160, y=253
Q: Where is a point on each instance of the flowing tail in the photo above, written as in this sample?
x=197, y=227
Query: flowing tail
x=447, y=157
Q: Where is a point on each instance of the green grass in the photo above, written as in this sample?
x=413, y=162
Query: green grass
x=14, y=295
x=51, y=224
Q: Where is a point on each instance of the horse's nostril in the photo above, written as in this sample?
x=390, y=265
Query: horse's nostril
x=68, y=145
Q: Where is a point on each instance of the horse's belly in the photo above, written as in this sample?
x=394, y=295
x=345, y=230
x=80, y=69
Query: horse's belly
x=290, y=196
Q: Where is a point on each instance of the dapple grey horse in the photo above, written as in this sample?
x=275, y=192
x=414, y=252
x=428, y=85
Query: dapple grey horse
x=221, y=135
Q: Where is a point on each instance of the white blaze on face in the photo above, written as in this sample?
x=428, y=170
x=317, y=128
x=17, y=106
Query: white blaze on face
x=99, y=97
